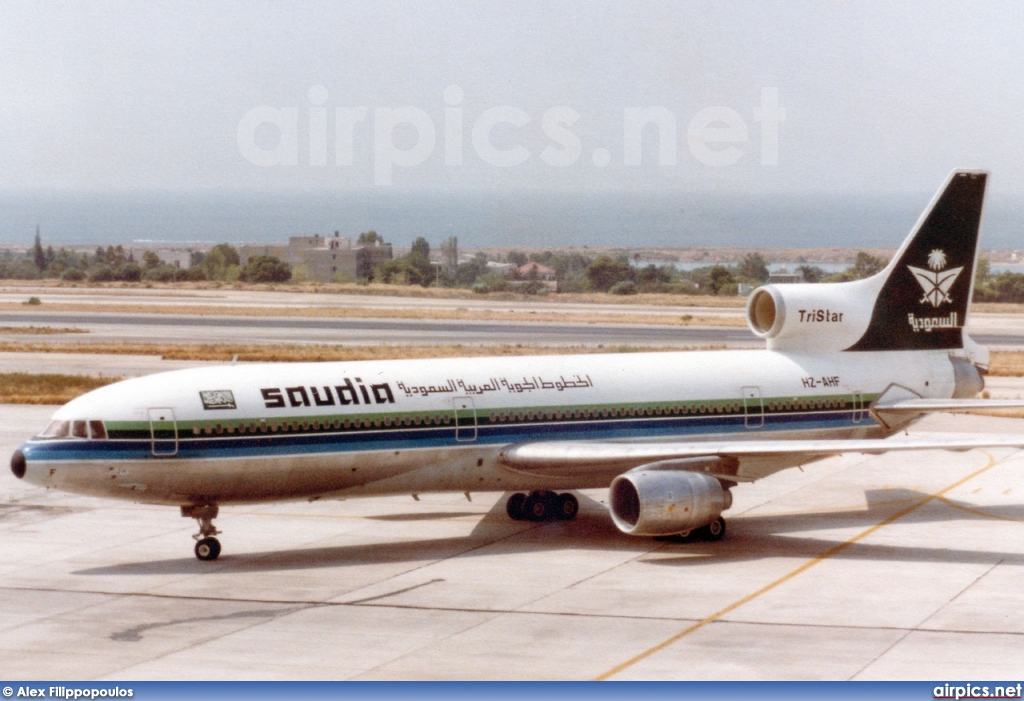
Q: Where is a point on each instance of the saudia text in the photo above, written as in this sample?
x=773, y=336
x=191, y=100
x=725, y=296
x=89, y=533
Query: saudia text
x=930, y=323
x=348, y=392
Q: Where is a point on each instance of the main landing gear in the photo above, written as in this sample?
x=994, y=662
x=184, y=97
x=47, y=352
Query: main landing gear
x=207, y=547
x=542, y=506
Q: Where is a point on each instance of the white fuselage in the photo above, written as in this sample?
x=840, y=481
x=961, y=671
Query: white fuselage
x=247, y=433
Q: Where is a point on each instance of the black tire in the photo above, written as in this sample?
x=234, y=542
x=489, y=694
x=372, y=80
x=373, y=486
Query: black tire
x=715, y=530
x=208, y=549
x=538, y=507
x=515, y=507
x=566, y=507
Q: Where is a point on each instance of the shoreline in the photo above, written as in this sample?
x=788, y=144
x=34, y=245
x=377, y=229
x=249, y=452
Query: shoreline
x=710, y=255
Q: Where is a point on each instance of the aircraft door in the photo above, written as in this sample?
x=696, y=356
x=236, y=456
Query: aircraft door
x=753, y=407
x=163, y=431
x=465, y=419
x=858, y=407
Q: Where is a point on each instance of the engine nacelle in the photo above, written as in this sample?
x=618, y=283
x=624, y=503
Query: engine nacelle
x=653, y=500
x=820, y=317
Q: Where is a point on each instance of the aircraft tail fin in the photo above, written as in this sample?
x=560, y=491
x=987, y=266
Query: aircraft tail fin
x=926, y=289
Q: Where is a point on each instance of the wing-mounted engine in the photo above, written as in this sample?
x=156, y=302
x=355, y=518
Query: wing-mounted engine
x=823, y=317
x=668, y=497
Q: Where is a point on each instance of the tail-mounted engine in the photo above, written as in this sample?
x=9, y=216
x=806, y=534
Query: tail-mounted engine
x=918, y=302
x=821, y=317
x=667, y=498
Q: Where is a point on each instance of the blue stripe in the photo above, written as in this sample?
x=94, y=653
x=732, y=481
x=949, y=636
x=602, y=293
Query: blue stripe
x=406, y=438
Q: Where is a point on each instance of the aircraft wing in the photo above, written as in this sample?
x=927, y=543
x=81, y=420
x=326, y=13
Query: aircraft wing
x=741, y=460
x=949, y=406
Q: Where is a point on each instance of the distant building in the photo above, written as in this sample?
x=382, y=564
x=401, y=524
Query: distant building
x=324, y=258
x=535, y=271
x=500, y=268
x=784, y=276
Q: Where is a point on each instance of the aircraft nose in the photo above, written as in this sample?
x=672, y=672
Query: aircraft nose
x=18, y=463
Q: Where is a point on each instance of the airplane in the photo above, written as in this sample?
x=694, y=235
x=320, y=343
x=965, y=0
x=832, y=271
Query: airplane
x=846, y=366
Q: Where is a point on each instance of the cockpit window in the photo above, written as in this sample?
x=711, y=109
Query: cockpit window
x=56, y=429
x=94, y=429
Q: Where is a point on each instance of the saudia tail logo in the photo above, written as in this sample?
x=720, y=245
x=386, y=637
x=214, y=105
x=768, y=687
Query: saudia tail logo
x=935, y=284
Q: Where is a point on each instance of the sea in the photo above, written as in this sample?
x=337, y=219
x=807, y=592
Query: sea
x=508, y=219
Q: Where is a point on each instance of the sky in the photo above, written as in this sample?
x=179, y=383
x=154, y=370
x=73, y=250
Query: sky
x=743, y=96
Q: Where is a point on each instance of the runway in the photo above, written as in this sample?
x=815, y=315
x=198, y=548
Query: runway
x=101, y=327
x=163, y=328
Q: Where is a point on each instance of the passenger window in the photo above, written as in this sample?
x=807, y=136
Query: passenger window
x=78, y=430
x=97, y=430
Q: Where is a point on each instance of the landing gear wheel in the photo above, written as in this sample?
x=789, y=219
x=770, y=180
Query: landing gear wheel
x=208, y=549
x=516, y=506
x=715, y=530
x=538, y=506
x=566, y=507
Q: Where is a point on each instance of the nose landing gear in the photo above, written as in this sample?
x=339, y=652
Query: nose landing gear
x=207, y=547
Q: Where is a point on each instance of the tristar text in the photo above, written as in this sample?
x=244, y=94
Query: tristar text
x=818, y=316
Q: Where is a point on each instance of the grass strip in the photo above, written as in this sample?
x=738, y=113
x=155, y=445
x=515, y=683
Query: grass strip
x=310, y=353
x=433, y=314
x=47, y=388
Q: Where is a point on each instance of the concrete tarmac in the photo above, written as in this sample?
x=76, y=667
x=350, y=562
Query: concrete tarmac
x=903, y=566
x=858, y=567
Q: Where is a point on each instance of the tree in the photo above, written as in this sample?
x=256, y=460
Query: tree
x=468, y=273
x=626, y=287
x=115, y=255
x=419, y=261
x=753, y=267
x=218, y=261
x=605, y=272
x=1003, y=287
x=128, y=272
x=719, y=278
x=369, y=238
x=651, y=277
x=811, y=273
x=420, y=247
x=982, y=272
x=865, y=265
x=38, y=256
x=150, y=260
x=517, y=258
x=266, y=269
x=102, y=273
